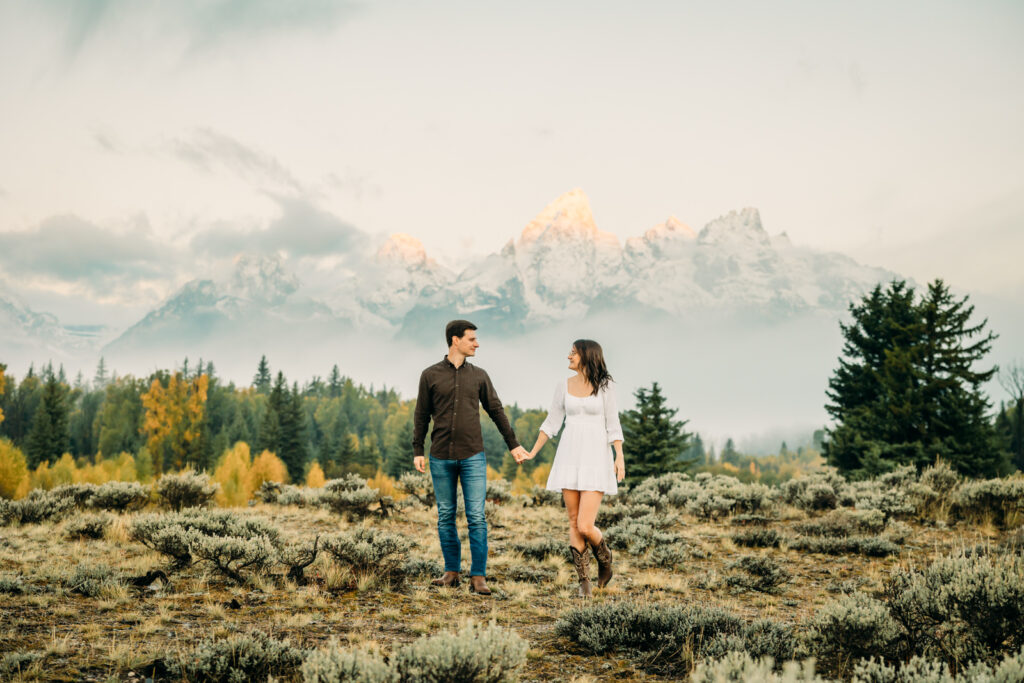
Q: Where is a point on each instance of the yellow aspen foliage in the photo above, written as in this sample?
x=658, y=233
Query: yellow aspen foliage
x=174, y=417
x=522, y=483
x=121, y=468
x=63, y=471
x=540, y=475
x=13, y=471
x=232, y=473
x=493, y=474
x=267, y=467
x=315, y=477
x=384, y=484
x=41, y=477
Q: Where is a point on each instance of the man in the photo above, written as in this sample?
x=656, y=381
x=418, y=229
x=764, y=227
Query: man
x=451, y=392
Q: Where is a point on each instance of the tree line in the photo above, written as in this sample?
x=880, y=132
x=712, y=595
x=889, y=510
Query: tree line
x=906, y=391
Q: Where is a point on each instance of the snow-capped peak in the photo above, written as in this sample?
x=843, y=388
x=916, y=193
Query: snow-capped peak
x=403, y=248
x=567, y=217
x=673, y=228
x=735, y=227
x=261, y=279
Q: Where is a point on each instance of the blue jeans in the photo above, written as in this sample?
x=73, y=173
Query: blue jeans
x=446, y=475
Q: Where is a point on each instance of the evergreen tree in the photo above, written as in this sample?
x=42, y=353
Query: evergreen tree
x=262, y=379
x=1010, y=420
x=653, y=439
x=291, y=438
x=399, y=460
x=100, y=379
x=729, y=453
x=269, y=438
x=334, y=383
x=906, y=393
x=48, y=439
x=696, y=453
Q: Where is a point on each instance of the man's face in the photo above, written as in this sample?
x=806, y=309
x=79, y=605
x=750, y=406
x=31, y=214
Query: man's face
x=467, y=344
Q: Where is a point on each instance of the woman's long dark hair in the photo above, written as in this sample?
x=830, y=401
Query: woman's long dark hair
x=592, y=363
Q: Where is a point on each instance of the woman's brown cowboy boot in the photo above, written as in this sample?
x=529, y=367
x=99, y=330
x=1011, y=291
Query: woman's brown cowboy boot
x=582, y=562
x=603, y=555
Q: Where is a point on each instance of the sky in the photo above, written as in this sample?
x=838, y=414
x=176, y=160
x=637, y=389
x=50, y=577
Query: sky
x=145, y=143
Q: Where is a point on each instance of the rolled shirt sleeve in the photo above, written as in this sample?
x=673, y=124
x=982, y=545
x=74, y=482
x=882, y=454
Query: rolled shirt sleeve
x=553, y=422
x=611, y=413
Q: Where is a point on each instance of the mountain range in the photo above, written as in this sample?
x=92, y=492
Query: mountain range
x=561, y=267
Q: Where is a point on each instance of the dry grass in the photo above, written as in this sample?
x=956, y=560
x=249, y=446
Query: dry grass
x=125, y=630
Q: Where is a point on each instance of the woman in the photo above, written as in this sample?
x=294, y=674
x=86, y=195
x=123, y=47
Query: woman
x=583, y=469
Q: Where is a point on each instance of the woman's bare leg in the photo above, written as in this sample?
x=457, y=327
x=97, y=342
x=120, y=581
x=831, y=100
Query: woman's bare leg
x=572, y=506
x=586, y=515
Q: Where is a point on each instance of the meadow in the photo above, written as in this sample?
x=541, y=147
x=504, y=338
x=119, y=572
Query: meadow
x=908, y=577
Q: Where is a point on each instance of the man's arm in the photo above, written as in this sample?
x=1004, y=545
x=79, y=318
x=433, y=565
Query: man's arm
x=421, y=416
x=492, y=404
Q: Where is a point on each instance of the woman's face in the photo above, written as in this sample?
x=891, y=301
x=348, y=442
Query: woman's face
x=574, y=359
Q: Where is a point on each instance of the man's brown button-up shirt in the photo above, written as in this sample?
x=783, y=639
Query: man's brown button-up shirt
x=452, y=396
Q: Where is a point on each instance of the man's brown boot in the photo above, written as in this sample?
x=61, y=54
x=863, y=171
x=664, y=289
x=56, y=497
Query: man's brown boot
x=582, y=563
x=603, y=555
x=478, y=584
x=448, y=580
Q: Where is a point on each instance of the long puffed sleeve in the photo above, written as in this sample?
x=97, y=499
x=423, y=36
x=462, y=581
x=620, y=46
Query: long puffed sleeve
x=611, y=413
x=553, y=422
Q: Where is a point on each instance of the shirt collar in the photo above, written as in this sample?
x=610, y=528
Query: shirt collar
x=445, y=361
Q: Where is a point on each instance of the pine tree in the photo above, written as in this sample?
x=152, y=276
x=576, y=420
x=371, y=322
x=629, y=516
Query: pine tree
x=905, y=393
x=399, y=460
x=48, y=439
x=334, y=383
x=262, y=379
x=291, y=441
x=729, y=452
x=653, y=440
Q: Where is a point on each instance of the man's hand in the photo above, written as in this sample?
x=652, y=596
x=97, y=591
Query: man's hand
x=520, y=454
x=420, y=463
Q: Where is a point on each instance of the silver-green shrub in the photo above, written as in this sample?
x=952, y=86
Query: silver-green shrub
x=870, y=546
x=741, y=667
x=119, y=496
x=351, y=497
x=38, y=506
x=13, y=663
x=758, y=538
x=760, y=573
x=185, y=490
x=543, y=548
x=998, y=500
x=90, y=580
x=335, y=664
x=230, y=555
x=175, y=534
x=851, y=628
x=240, y=658
x=419, y=485
x=87, y=526
x=370, y=551
x=922, y=670
x=843, y=523
x=637, y=536
x=79, y=494
x=474, y=654
x=12, y=584
x=499, y=491
x=530, y=573
x=961, y=608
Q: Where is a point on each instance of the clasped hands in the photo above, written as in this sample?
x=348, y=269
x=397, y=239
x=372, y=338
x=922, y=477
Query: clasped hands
x=521, y=455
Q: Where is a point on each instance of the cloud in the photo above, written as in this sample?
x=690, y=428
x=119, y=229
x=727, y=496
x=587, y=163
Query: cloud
x=207, y=149
x=67, y=250
x=302, y=230
x=205, y=24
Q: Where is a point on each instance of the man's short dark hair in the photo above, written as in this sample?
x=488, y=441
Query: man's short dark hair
x=457, y=328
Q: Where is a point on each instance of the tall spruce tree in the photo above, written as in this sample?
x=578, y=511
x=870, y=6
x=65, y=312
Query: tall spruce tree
x=48, y=438
x=399, y=458
x=905, y=392
x=1010, y=420
x=261, y=381
x=291, y=440
x=654, y=442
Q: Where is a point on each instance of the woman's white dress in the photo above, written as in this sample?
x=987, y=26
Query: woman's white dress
x=583, y=459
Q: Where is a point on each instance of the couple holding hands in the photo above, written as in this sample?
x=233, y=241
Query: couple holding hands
x=451, y=393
